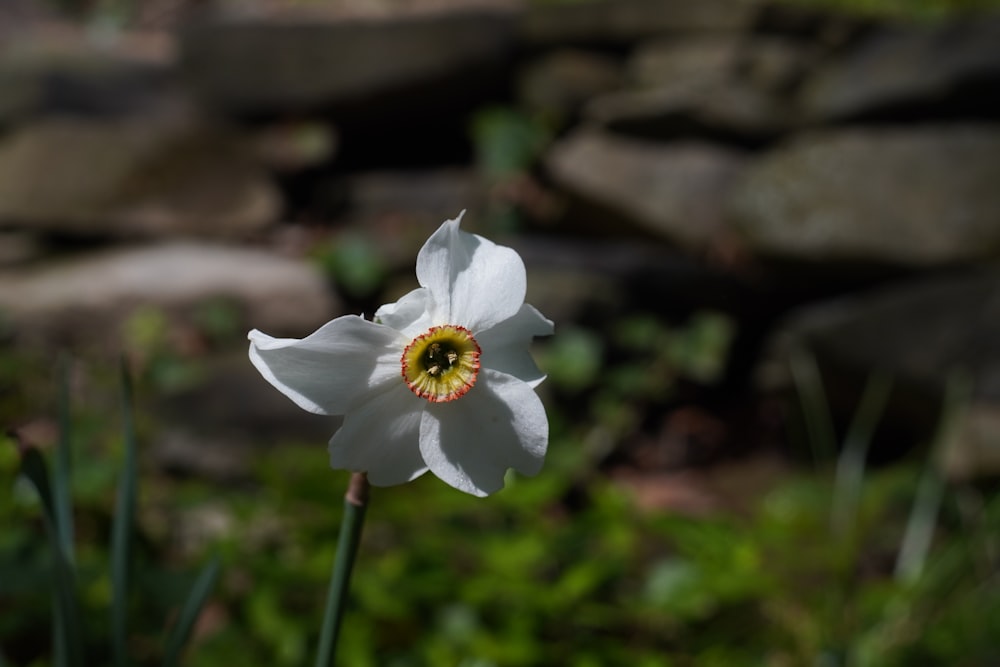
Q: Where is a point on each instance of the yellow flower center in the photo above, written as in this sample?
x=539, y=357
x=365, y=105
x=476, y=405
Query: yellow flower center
x=442, y=363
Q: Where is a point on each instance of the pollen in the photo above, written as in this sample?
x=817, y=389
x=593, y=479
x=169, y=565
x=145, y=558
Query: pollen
x=441, y=364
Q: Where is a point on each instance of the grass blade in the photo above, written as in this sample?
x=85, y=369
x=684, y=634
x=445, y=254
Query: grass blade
x=815, y=408
x=919, y=532
x=121, y=530
x=851, y=462
x=62, y=493
x=196, y=598
x=67, y=641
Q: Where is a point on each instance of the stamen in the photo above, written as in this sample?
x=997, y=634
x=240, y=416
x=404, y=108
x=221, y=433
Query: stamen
x=441, y=364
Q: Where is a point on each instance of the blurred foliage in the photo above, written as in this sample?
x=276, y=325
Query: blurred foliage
x=355, y=263
x=508, y=143
x=507, y=140
x=634, y=366
x=80, y=592
x=561, y=569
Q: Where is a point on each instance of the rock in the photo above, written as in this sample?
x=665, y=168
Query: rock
x=52, y=68
x=828, y=28
x=132, y=178
x=87, y=299
x=435, y=194
x=707, y=86
x=579, y=280
x=17, y=247
x=180, y=451
x=394, y=212
x=913, y=71
x=719, y=110
x=971, y=449
x=558, y=84
x=217, y=427
x=775, y=65
x=683, y=60
x=912, y=196
x=296, y=145
x=625, y=21
x=391, y=67
x=672, y=190
x=921, y=333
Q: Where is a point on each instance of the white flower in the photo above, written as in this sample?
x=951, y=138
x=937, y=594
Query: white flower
x=442, y=380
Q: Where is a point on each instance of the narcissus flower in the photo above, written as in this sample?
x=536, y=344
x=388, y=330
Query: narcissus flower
x=441, y=380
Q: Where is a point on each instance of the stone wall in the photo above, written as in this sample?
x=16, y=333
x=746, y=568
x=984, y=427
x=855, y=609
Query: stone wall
x=830, y=181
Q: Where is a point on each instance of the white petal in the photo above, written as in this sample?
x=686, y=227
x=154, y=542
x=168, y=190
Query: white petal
x=333, y=368
x=411, y=315
x=505, y=346
x=473, y=281
x=382, y=437
x=471, y=442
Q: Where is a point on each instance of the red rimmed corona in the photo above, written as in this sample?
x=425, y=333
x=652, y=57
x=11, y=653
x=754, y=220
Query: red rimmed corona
x=441, y=364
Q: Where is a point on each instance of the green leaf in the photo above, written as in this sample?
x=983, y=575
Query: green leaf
x=62, y=495
x=196, y=598
x=815, y=407
x=851, y=462
x=67, y=640
x=121, y=530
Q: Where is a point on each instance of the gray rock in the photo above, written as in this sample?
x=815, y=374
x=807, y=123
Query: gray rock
x=709, y=85
x=389, y=66
x=433, y=194
x=917, y=331
x=624, y=21
x=913, y=196
x=53, y=68
x=922, y=334
x=948, y=68
x=132, y=178
x=396, y=211
x=86, y=299
x=723, y=110
x=295, y=145
x=688, y=60
x=561, y=82
x=18, y=247
x=672, y=190
x=971, y=448
x=216, y=427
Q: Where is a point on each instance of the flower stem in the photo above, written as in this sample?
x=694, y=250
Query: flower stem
x=355, y=503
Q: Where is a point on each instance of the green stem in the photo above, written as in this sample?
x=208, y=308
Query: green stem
x=355, y=503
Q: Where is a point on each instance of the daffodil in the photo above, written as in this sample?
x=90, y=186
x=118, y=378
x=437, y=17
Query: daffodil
x=441, y=380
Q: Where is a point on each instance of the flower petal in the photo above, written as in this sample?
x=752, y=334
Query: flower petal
x=333, y=368
x=473, y=281
x=505, y=346
x=410, y=315
x=381, y=436
x=470, y=443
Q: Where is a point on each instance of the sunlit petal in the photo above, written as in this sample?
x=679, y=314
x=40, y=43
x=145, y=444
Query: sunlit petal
x=505, y=346
x=381, y=437
x=471, y=443
x=410, y=315
x=333, y=368
x=474, y=282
